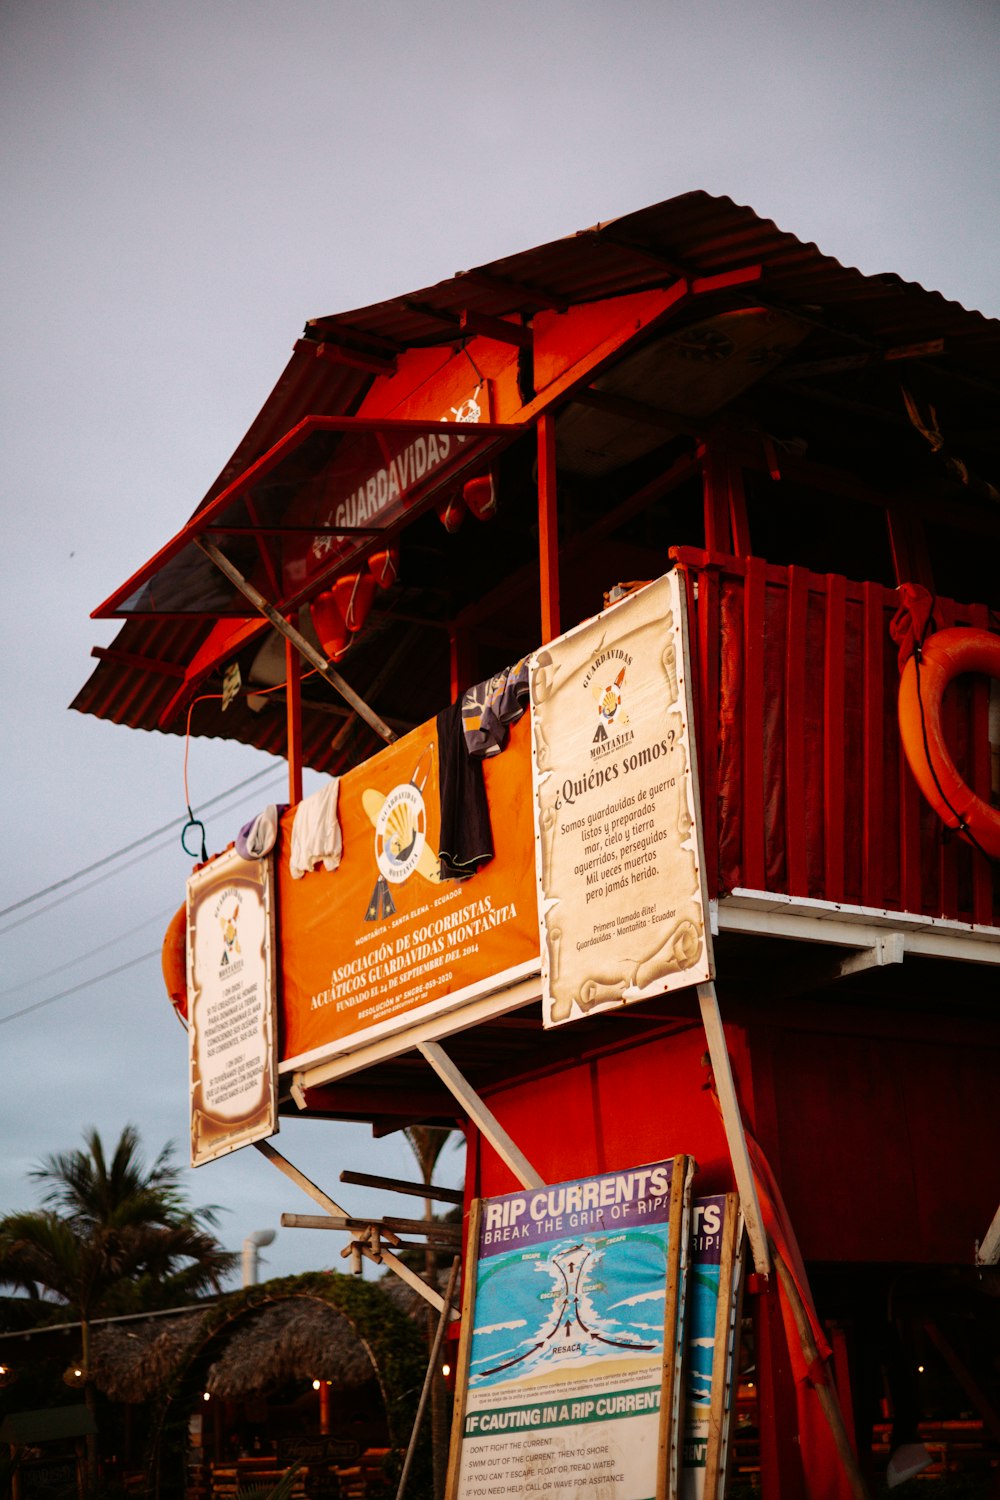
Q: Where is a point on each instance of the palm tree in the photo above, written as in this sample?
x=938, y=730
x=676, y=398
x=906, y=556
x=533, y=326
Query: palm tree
x=427, y=1142
x=112, y=1236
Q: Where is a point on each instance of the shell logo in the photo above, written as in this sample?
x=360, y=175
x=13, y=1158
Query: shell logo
x=400, y=833
x=609, y=699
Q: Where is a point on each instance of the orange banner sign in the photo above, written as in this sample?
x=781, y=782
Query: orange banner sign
x=382, y=940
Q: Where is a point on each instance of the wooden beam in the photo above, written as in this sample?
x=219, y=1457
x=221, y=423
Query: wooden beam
x=988, y=1251
x=548, y=527
x=312, y=656
x=355, y=359
x=347, y=336
x=426, y=1227
x=329, y=1206
x=396, y=1185
x=447, y=320
x=481, y=325
x=140, y=663
x=639, y=412
x=483, y=1117
x=733, y=1124
x=432, y=1366
x=293, y=717
x=586, y=369
x=521, y=291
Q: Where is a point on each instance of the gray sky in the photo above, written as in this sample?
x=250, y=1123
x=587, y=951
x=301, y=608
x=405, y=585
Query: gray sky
x=183, y=185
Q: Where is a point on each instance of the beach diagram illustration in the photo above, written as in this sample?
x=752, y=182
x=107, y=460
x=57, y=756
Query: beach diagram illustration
x=572, y=1301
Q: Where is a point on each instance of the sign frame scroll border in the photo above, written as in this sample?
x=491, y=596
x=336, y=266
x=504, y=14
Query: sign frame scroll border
x=259, y=875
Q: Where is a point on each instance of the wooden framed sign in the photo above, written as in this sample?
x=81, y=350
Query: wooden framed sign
x=569, y=1376
x=231, y=1043
x=621, y=900
x=715, y=1291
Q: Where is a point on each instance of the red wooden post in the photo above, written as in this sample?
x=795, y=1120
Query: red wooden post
x=461, y=656
x=781, y=1475
x=548, y=527
x=875, y=632
x=796, y=825
x=293, y=699
x=834, y=787
x=703, y=589
x=715, y=496
x=910, y=805
x=982, y=871
x=945, y=901
x=754, y=867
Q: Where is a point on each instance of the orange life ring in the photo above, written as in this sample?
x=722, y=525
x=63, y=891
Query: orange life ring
x=945, y=655
x=174, y=960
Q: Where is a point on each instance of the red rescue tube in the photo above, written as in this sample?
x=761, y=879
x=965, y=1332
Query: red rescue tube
x=328, y=623
x=174, y=961
x=354, y=593
x=946, y=655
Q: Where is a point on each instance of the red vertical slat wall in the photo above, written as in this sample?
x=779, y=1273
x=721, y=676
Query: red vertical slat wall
x=947, y=861
x=753, y=725
x=834, y=803
x=981, y=772
x=910, y=882
x=873, y=689
x=905, y=861
x=702, y=593
x=796, y=823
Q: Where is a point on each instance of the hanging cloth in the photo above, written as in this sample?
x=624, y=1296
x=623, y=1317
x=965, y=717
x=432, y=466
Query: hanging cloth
x=466, y=840
x=256, y=839
x=491, y=707
x=316, y=832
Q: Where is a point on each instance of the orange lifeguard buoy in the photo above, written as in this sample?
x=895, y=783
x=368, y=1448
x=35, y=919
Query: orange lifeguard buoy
x=174, y=961
x=945, y=655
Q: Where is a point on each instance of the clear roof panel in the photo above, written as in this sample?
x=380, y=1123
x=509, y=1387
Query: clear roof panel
x=322, y=497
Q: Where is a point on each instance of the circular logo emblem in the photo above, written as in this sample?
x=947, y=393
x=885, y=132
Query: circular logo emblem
x=400, y=833
x=610, y=701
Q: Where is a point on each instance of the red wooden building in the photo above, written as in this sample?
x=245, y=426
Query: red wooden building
x=685, y=388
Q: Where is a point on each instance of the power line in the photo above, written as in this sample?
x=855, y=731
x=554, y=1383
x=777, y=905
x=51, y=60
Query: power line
x=81, y=958
x=127, y=849
x=107, y=874
x=84, y=984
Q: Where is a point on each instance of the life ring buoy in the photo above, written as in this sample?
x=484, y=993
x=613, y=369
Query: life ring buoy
x=945, y=655
x=173, y=958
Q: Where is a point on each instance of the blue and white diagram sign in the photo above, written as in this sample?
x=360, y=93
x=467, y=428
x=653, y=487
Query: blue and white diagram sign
x=577, y=1317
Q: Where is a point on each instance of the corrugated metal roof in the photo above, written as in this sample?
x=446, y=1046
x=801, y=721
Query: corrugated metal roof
x=694, y=235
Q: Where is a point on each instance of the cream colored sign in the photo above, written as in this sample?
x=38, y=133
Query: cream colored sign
x=622, y=907
x=230, y=1006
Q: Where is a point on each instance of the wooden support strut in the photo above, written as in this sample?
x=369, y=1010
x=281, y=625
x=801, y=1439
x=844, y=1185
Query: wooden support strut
x=733, y=1124
x=481, y=1115
x=386, y=1258
x=426, y=1228
x=548, y=527
x=988, y=1251
x=293, y=710
x=398, y=1185
x=429, y=1377
x=312, y=656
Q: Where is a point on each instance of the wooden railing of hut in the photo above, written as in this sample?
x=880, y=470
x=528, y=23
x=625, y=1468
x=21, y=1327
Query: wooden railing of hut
x=804, y=786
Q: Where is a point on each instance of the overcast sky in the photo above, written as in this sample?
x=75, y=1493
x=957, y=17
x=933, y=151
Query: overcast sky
x=184, y=184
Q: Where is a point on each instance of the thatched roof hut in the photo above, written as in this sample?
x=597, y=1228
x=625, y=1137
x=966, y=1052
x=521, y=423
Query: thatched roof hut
x=131, y=1360
x=288, y=1337
x=289, y=1340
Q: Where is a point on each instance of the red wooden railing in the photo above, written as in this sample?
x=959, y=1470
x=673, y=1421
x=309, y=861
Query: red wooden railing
x=804, y=786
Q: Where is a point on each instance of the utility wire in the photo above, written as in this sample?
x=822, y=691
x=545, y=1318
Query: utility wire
x=81, y=958
x=84, y=984
x=170, y=827
x=108, y=874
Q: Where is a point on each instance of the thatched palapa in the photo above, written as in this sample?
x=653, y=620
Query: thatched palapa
x=294, y=1338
